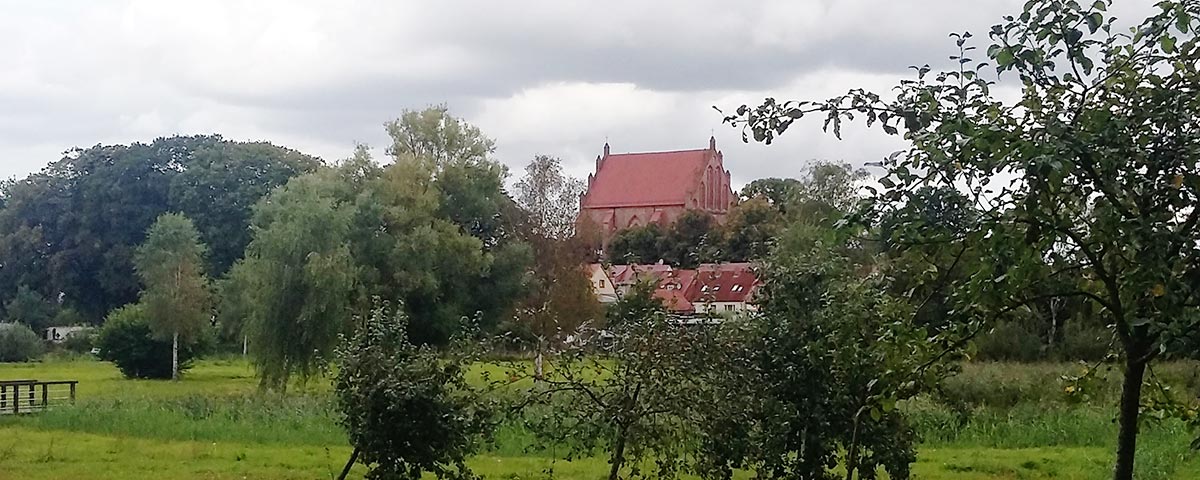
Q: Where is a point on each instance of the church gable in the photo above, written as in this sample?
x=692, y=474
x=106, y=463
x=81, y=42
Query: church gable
x=685, y=178
x=636, y=189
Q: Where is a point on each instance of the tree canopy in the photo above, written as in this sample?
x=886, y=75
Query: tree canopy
x=72, y=229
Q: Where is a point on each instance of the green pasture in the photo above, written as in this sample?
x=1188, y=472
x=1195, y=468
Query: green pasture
x=216, y=424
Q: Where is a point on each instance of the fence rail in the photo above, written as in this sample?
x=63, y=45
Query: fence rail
x=32, y=396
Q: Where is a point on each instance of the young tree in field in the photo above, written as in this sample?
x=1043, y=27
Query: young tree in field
x=560, y=298
x=408, y=409
x=176, y=298
x=296, y=279
x=550, y=197
x=812, y=382
x=1093, y=171
x=633, y=393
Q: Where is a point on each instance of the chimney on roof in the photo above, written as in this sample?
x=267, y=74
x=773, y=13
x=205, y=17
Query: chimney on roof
x=712, y=143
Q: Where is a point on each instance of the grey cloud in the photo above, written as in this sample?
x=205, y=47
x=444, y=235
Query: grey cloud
x=317, y=77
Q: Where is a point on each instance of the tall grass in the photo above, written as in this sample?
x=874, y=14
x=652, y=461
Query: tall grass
x=262, y=419
x=1000, y=408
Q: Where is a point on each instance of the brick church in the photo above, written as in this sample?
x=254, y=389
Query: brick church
x=636, y=189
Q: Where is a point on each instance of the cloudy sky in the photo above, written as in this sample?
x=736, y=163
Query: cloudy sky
x=554, y=77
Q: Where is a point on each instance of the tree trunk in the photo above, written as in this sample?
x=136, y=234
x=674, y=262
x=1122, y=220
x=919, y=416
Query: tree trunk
x=537, y=364
x=618, y=459
x=175, y=356
x=350, y=464
x=245, y=344
x=1131, y=397
x=852, y=451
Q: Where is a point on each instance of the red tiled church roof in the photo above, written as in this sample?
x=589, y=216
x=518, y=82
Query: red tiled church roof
x=655, y=178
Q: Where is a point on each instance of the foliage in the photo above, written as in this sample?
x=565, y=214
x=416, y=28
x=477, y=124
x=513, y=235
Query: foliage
x=636, y=245
x=19, y=344
x=74, y=226
x=30, y=308
x=550, y=197
x=176, y=301
x=298, y=275
x=1009, y=341
x=559, y=297
x=632, y=392
x=819, y=375
x=221, y=184
x=408, y=409
x=751, y=230
x=779, y=192
x=435, y=135
x=1102, y=146
x=435, y=227
x=80, y=341
x=693, y=239
x=127, y=340
x=639, y=302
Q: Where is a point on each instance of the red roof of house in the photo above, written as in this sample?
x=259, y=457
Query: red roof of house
x=681, y=289
x=654, y=178
x=725, y=282
x=672, y=290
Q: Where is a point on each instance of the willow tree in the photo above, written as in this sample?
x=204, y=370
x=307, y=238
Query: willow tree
x=1086, y=185
x=297, y=277
x=176, y=297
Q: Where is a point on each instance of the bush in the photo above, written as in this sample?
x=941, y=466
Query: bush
x=1009, y=341
x=1084, y=342
x=80, y=341
x=19, y=344
x=126, y=340
x=408, y=409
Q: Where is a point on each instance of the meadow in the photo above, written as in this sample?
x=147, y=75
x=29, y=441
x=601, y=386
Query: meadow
x=215, y=424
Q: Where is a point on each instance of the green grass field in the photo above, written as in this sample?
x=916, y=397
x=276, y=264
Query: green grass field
x=215, y=424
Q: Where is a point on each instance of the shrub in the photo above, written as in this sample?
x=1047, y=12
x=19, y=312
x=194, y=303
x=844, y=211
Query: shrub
x=68, y=316
x=1010, y=341
x=1084, y=342
x=126, y=341
x=18, y=343
x=80, y=341
x=408, y=409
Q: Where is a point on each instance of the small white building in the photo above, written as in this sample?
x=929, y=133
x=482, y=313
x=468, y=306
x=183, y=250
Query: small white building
x=602, y=285
x=59, y=334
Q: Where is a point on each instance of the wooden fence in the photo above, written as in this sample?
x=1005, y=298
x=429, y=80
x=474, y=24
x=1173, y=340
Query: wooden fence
x=31, y=396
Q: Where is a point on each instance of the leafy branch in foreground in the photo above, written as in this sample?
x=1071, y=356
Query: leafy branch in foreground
x=1086, y=187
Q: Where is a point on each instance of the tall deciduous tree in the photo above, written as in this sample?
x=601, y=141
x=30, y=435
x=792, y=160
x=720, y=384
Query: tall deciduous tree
x=220, y=185
x=298, y=274
x=72, y=228
x=435, y=135
x=1103, y=144
x=751, y=230
x=176, y=298
x=560, y=297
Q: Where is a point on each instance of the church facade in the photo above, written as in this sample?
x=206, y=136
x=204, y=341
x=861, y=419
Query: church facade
x=636, y=189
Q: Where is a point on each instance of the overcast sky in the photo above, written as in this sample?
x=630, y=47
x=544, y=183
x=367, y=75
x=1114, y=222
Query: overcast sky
x=553, y=77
